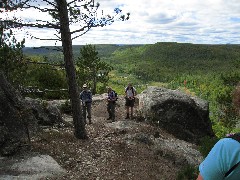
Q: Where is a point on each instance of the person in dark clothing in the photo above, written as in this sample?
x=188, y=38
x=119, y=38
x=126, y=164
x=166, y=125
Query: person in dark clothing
x=111, y=104
x=86, y=99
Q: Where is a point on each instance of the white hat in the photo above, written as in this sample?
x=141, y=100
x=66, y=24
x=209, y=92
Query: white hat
x=84, y=86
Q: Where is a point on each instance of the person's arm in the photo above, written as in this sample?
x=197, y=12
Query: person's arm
x=109, y=97
x=199, y=177
x=90, y=96
x=113, y=96
x=80, y=96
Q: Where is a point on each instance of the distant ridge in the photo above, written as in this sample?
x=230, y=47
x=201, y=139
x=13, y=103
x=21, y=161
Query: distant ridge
x=159, y=50
x=46, y=50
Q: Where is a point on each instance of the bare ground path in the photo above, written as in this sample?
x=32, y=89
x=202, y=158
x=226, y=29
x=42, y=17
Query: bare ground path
x=110, y=152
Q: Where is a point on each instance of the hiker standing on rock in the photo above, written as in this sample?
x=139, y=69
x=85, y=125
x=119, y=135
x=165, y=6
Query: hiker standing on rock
x=130, y=93
x=86, y=99
x=111, y=103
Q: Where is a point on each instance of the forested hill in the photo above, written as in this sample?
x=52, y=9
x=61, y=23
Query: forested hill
x=163, y=61
x=104, y=50
x=163, y=50
x=192, y=51
x=160, y=61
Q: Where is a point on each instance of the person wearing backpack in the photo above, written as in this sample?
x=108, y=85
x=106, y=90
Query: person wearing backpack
x=130, y=93
x=223, y=161
x=111, y=103
x=86, y=99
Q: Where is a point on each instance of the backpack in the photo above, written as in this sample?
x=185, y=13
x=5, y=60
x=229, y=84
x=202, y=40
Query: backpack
x=132, y=88
x=236, y=137
x=116, y=95
x=87, y=95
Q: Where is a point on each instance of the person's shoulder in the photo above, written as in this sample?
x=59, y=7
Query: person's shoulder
x=228, y=143
x=229, y=140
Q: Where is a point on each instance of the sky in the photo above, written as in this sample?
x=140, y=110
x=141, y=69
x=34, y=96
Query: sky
x=152, y=21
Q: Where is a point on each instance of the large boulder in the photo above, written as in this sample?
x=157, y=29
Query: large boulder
x=16, y=121
x=21, y=117
x=46, y=113
x=184, y=116
x=180, y=152
x=30, y=166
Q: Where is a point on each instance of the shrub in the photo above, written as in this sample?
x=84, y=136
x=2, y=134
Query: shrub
x=236, y=99
x=66, y=107
x=206, y=145
x=187, y=173
x=55, y=94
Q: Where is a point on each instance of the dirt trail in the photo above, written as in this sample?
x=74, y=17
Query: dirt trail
x=110, y=152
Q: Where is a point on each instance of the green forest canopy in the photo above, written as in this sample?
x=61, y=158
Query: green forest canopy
x=160, y=61
x=211, y=71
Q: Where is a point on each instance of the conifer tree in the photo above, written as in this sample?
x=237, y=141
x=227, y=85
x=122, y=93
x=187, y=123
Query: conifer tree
x=91, y=69
x=65, y=14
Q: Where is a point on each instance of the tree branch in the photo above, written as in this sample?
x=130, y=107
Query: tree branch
x=86, y=4
x=19, y=24
x=25, y=5
x=53, y=4
x=81, y=33
x=47, y=39
x=40, y=9
x=79, y=30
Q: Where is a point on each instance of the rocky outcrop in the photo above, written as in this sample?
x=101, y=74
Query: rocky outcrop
x=16, y=120
x=30, y=167
x=180, y=152
x=184, y=116
x=47, y=114
x=20, y=118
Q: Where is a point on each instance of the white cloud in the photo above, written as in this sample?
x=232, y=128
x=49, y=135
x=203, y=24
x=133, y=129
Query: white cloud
x=151, y=21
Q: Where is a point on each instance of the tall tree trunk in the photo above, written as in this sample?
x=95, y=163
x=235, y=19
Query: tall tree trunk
x=79, y=124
